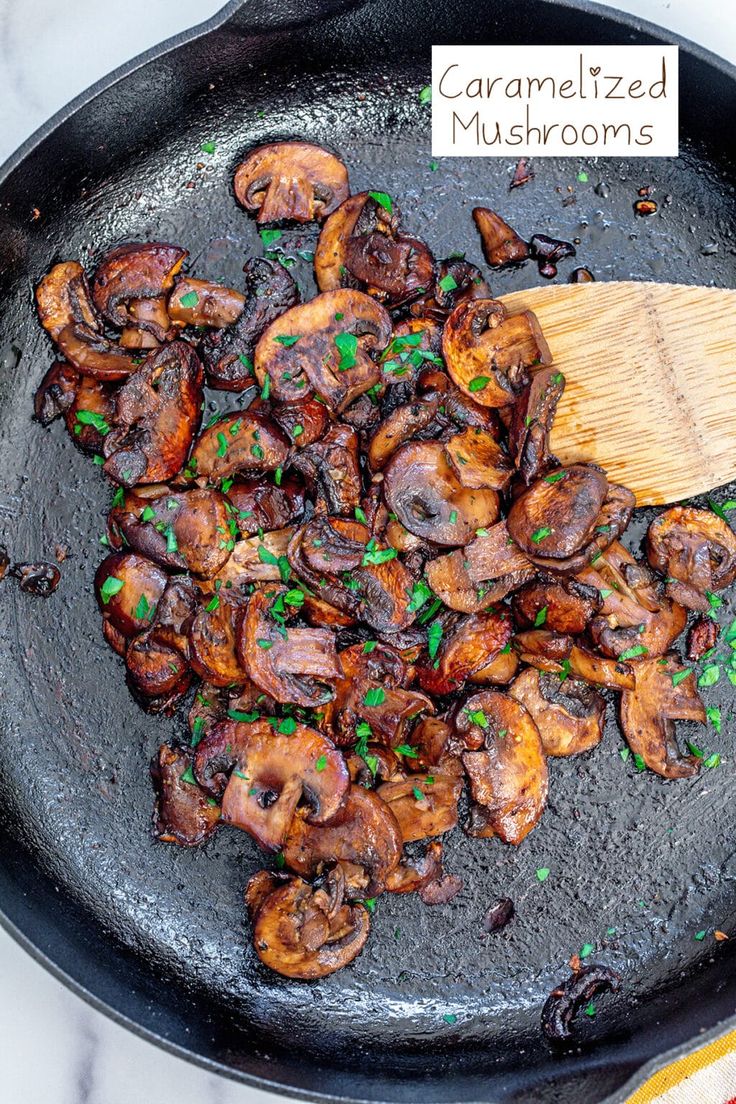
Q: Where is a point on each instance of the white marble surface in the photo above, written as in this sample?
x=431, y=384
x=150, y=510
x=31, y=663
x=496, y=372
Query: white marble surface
x=55, y=1049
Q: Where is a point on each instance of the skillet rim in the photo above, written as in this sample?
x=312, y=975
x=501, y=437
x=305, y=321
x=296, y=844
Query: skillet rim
x=713, y=61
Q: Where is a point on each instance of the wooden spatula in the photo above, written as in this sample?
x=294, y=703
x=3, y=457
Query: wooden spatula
x=650, y=375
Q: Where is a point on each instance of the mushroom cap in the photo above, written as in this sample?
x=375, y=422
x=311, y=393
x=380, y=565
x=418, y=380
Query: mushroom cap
x=207, y=303
x=294, y=181
x=137, y=270
x=136, y=587
x=325, y=345
x=485, y=571
x=213, y=636
x=184, y=530
x=557, y=519
x=501, y=245
x=696, y=550
x=184, y=814
x=568, y=604
x=247, y=441
x=63, y=299
x=293, y=936
x=469, y=646
x=648, y=713
x=424, y=806
x=329, y=256
x=569, y=715
x=93, y=354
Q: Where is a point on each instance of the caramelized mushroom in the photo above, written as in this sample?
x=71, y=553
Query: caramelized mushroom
x=489, y=353
x=506, y=768
x=138, y=270
x=263, y=505
x=478, y=460
x=291, y=180
x=401, y=424
x=563, y=605
x=696, y=550
x=203, y=303
x=63, y=299
x=128, y=588
x=648, y=713
x=531, y=423
x=184, y=813
x=296, y=936
x=331, y=469
x=185, y=530
x=429, y=500
x=94, y=355
x=213, y=651
x=470, y=646
x=569, y=715
x=501, y=245
x=90, y=415
x=364, y=836
x=389, y=265
x=330, y=267
x=247, y=441
x=485, y=571
x=424, y=806
x=56, y=393
x=157, y=672
x=324, y=344
x=263, y=773
x=564, y=1002
x=157, y=413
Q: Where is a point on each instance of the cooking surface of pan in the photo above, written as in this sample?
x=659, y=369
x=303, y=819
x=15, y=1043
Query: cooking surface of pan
x=433, y=1006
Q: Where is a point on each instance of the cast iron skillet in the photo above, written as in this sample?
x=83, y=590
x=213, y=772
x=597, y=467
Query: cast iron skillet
x=155, y=935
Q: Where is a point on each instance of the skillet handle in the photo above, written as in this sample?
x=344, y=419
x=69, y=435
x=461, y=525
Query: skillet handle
x=273, y=15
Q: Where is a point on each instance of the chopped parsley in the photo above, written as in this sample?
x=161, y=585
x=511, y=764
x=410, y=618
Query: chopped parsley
x=111, y=586
x=375, y=696
x=541, y=534
x=541, y=617
x=189, y=300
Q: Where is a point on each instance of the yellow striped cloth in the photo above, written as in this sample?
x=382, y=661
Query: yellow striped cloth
x=707, y=1076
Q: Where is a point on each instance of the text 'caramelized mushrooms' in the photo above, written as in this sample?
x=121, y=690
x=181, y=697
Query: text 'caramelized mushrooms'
x=649, y=712
x=696, y=551
x=293, y=181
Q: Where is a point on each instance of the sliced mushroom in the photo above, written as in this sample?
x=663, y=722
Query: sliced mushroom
x=90, y=415
x=303, y=421
x=325, y=345
x=203, y=303
x=557, y=519
x=263, y=772
x=390, y=265
x=157, y=414
x=563, y=605
x=363, y=835
x=422, y=489
x=489, y=353
x=157, y=673
x=152, y=324
x=213, y=642
x=569, y=715
x=296, y=937
x=507, y=768
x=501, y=245
x=331, y=469
x=330, y=268
x=294, y=181
x=566, y=1000
x=296, y=666
x=702, y=636
x=599, y=670
x=424, y=806
x=499, y=671
x=648, y=713
x=413, y=874
x=485, y=571
x=546, y=650
x=184, y=813
x=264, y=505
x=696, y=550
x=254, y=560
x=63, y=299
x=400, y=425
x=469, y=646
x=228, y=353
x=458, y=281
x=531, y=424
x=185, y=530
x=128, y=588
x=478, y=459
x=138, y=270
x=247, y=441
x=94, y=355
x=56, y=392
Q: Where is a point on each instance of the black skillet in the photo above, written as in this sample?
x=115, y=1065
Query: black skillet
x=155, y=936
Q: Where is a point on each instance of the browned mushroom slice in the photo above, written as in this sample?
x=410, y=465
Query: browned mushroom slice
x=424, y=806
x=489, y=354
x=395, y=269
x=331, y=469
x=413, y=873
x=128, y=588
x=324, y=345
x=184, y=813
x=610, y=523
x=649, y=712
x=263, y=505
x=213, y=651
x=254, y=560
x=303, y=421
x=138, y=270
x=401, y=424
x=323, y=548
x=204, y=303
x=563, y=605
x=364, y=834
x=614, y=674
x=293, y=181
x=557, y=519
x=296, y=937
x=544, y=649
x=485, y=571
x=56, y=392
x=94, y=355
x=531, y=424
x=458, y=281
x=157, y=673
x=569, y=715
x=298, y=666
x=501, y=245
x=63, y=299
x=187, y=530
x=478, y=459
x=329, y=257
x=247, y=441
x=91, y=414
x=176, y=609
x=703, y=636
x=696, y=550
x=507, y=770
x=499, y=671
x=152, y=324
x=469, y=646
x=428, y=498
x=157, y=414
x=263, y=772
x=228, y=353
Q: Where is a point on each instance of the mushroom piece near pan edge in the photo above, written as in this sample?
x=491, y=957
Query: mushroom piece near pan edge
x=294, y=181
x=569, y=715
x=292, y=665
x=531, y=424
x=696, y=551
x=228, y=353
x=247, y=441
x=94, y=355
x=181, y=530
x=89, y=413
x=157, y=414
x=213, y=642
x=424, y=492
x=300, y=933
x=137, y=270
x=648, y=713
x=506, y=766
x=390, y=265
x=469, y=646
x=56, y=393
x=566, y=1000
x=325, y=346
x=184, y=813
x=128, y=588
x=490, y=354
x=501, y=245
x=363, y=837
x=262, y=774
x=63, y=299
